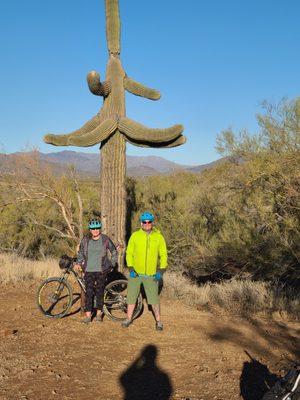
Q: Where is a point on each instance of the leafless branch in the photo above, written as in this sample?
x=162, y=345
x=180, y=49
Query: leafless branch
x=58, y=231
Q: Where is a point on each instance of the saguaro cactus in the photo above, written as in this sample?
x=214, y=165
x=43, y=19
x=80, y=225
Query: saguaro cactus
x=112, y=129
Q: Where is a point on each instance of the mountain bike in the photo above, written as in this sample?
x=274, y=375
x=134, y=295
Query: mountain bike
x=55, y=295
x=286, y=388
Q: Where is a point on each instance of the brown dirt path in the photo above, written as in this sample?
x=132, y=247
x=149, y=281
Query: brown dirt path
x=198, y=356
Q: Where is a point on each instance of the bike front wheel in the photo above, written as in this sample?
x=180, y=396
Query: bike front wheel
x=54, y=297
x=115, y=301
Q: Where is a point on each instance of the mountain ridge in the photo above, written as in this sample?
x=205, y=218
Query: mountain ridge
x=88, y=164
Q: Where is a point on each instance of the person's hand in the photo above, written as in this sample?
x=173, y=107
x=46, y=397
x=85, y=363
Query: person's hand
x=158, y=276
x=77, y=267
x=132, y=274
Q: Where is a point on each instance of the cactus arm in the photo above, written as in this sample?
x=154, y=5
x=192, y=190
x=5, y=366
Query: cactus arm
x=174, y=143
x=112, y=26
x=140, y=90
x=101, y=132
x=138, y=132
x=62, y=140
x=96, y=87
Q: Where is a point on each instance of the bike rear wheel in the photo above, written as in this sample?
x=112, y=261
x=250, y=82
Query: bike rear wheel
x=54, y=298
x=115, y=304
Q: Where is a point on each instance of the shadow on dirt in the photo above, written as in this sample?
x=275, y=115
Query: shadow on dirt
x=268, y=335
x=255, y=380
x=143, y=380
x=75, y=302
x=272, y=340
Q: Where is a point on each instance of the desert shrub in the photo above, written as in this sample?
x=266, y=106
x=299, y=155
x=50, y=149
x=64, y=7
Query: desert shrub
x=241, y=217
x=236, y=297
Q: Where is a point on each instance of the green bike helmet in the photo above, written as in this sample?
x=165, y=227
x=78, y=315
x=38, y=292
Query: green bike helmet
x=95, y=224
x=147, y=216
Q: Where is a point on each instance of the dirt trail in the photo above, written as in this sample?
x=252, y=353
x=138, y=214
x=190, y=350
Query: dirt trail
x=197, y=356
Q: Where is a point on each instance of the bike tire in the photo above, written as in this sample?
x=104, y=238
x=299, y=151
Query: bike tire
x=60, y=293
x=115, y=305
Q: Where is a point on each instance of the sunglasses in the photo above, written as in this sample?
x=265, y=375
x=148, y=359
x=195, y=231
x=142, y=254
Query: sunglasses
x=146, y=222
x=95, y=229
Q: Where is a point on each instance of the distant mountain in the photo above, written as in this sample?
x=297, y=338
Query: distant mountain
x=200, y=168
x=10, y=162
x=88, y=164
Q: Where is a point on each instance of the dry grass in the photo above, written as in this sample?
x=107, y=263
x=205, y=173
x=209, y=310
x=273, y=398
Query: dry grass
x=17, y=269
x=234, y=297
x=178, y=287
x=239, y=297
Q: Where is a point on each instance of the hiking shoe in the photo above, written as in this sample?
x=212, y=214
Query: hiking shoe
x=159, y=326
x=86, y=320
x=126, y=323
x=98, y=318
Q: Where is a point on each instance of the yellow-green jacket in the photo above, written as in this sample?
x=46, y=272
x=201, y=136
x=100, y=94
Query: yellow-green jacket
x=144, y=250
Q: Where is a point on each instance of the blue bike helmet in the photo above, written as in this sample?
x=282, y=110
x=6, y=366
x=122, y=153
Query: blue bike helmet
x=95, y=224
x=147, y=216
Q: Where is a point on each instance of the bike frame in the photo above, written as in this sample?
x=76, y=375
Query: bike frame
x=79, y=279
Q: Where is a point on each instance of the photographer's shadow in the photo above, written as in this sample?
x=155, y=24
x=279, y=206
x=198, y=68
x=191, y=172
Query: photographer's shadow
x=255, y=380
x=143, y=380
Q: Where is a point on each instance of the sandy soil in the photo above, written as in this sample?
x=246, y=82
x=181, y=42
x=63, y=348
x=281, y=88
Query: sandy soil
x=197, y=356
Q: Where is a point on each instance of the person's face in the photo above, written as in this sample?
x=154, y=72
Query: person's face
x=146, y=226
x=95, y=232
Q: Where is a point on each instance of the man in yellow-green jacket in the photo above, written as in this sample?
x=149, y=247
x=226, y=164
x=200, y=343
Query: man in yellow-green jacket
x=145, y=248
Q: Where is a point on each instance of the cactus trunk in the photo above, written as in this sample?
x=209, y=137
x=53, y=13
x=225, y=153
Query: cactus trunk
x=112, y=129
x=113, y=160
x=112, y=190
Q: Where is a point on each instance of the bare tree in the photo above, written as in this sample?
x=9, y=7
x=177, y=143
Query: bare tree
x=28, y=179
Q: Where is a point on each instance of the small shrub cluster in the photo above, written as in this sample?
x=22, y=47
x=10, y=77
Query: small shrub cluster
x=238, y=297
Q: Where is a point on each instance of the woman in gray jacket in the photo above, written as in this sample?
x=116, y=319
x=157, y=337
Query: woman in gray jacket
x=93, y=259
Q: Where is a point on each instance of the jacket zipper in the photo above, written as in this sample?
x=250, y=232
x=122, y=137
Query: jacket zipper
x=146, y=254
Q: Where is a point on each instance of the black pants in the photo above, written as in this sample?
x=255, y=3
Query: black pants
x=94, y=284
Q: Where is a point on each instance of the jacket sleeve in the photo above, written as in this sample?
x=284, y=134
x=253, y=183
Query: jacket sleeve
x=129, y=252
x=113, y=251
x=163, y=255
x=80, y=254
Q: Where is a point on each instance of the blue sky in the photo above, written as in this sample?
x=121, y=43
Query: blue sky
x=214, y=63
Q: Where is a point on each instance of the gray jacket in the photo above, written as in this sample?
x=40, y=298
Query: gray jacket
x=106, y=263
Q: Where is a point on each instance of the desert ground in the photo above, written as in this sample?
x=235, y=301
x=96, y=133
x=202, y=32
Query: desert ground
x=199, y=355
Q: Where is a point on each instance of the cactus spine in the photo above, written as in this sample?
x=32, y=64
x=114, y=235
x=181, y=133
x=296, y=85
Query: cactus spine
x=112, y=129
